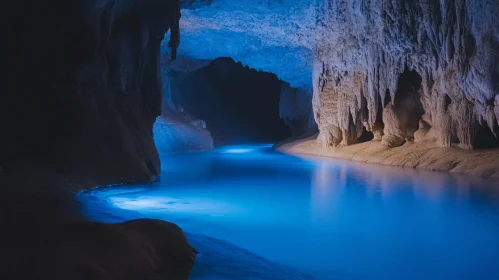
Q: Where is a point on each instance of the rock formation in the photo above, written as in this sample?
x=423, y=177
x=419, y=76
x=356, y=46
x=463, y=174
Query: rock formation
x=82, y=87
x=295, y=108
x=175, y=130
x=138, y=249
x=81, y=91
x=377, y=66
x=402, y=70
x=272, y=36
x=238, y=105
x=376, y=61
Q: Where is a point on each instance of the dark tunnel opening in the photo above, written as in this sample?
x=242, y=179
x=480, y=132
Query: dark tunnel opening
x=387, y=100
x=240, y=105
x=408, y=99
x=485, y=139
x=366, y=136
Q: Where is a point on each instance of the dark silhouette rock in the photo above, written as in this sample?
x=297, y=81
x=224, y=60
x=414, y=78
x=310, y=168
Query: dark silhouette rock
x=81, y=91
x=240, y=105
x=138, y=249
x=82, y=86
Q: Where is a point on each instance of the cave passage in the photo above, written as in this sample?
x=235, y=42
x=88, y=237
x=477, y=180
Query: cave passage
x=240, y=105
x=83, y=103
x=485, y=139
x=408, y=98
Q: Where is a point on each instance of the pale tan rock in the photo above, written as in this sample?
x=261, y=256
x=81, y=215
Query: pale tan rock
x=425, y=132
x=330, y=136
x=425, y=155
x=363, y=47
x=395, y=122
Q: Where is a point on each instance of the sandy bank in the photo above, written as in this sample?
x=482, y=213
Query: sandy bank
x=425, y=155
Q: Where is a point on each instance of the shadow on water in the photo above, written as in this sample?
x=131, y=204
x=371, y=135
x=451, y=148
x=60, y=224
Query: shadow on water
x=328, y=218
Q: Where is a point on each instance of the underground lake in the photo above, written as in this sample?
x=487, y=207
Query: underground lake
x=254, y=213
x=138, y=140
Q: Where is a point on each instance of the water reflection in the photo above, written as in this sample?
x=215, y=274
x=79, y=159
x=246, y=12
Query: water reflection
x=329, y=176
x=328, y=183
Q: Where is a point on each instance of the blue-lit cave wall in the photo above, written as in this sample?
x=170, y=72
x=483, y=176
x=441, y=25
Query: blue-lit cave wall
x=268, y=36
x=271, y=35
x=176, y=131
x=208, y=102
x=238, y=104
x=350, y=55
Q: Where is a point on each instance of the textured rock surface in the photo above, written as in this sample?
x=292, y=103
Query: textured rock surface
x=270, y=35
x=421, y=154
x=361, y=55
x=363, y=47
x=82, y=87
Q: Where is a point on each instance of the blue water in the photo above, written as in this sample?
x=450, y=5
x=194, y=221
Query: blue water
x=319, y=218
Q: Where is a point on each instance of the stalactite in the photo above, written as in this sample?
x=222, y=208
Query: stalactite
x=364, y=46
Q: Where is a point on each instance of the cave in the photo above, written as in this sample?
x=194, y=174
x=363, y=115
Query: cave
x=402, y=116
x=388, y=98
x=366, y=136
x=485, y=138
x=249, y=139
x=408, y=99
x=239, y=105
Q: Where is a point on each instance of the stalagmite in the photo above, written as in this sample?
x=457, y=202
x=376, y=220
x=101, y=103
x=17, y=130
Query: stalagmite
x=363, y=47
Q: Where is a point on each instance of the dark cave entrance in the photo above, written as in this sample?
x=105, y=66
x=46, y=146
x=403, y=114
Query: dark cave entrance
x=366, y=136
x=239, y=105
x=408, y=100
x=485, y=139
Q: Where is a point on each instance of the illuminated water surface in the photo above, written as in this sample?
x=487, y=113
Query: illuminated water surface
x=325, y=218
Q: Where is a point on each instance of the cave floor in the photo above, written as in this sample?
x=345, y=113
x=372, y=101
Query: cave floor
x=423, y=155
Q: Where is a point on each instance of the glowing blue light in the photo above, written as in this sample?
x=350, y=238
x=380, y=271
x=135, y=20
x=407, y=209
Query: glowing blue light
x=139, y=203
x=193, y=205
x=244, y=149
x=237, y=151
